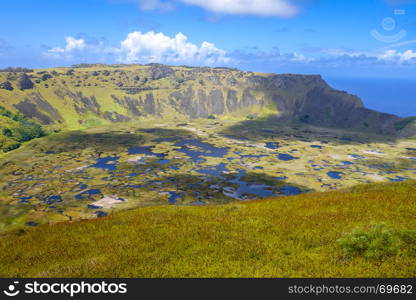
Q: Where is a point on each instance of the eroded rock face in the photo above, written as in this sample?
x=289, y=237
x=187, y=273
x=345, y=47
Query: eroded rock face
x=160, y=71
x=36, y=107
x=309, y=99
x=199, y=93
x=24, y=82
x=83, y=104
x=201, y=103
x=115, y=117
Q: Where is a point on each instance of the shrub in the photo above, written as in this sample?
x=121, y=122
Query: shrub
x=21, y=130
x=376, y=242
x=46, y=77
x=7, y=132
x=10, y=145
x=6, y=86
x=27, y=132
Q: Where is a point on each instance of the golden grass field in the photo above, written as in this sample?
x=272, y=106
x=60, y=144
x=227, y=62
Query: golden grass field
x=293, y=236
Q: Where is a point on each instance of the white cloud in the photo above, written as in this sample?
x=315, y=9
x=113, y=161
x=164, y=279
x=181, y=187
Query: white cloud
x=299, y=57
x=393, y=56
x=73, y=47
x=265, y=8
x=142, y=48
x=156, y=47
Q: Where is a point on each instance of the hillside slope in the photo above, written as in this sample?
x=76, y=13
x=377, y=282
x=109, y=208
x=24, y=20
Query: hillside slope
x=278, y=237
x=93, y=95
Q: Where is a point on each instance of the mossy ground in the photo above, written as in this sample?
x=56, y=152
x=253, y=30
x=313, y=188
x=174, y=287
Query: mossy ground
x=278, y=237
x=63, y=165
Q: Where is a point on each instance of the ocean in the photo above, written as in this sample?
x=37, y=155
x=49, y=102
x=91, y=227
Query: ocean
x=394, y=96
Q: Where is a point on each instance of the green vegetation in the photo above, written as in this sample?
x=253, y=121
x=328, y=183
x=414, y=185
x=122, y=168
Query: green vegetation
x=377, y=242
x=132, y=138
x=404, y=122
x=62, y=164
x=278, y=237
x=88, y=94
x=15, y=129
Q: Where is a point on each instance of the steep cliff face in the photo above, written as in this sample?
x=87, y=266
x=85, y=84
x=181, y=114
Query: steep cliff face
x=310, y=99
x=98, y=94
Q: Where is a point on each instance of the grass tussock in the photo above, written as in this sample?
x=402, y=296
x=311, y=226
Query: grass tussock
x=302, y=236
x=376, y=242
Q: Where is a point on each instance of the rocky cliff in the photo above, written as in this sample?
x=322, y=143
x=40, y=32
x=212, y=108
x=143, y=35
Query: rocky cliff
x=91, y=95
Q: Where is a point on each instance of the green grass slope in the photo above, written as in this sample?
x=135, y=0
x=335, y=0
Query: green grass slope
x=310, y=235
x=15, y=129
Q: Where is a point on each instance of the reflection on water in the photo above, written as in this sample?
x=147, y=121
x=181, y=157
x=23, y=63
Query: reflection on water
x=106, y=163
x=196, y=149
x=335, y=175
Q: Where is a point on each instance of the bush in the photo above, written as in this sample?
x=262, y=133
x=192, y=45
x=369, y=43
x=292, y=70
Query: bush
x=20, y=130
x=10, y=145
x=27, y=132
x=6, y=86
x=46, y=77
x=7, y=132
x=376, y=242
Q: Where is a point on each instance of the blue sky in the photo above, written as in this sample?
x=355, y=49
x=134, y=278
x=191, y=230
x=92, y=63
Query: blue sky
x=350, y=38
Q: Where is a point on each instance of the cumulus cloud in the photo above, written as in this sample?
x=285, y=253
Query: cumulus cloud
x=265, y=8
x=141, y=47
x=157, y=47
x=72, y=44
x=76, y=47
x=393, y=55
x=81, y=48
x=388, y=56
